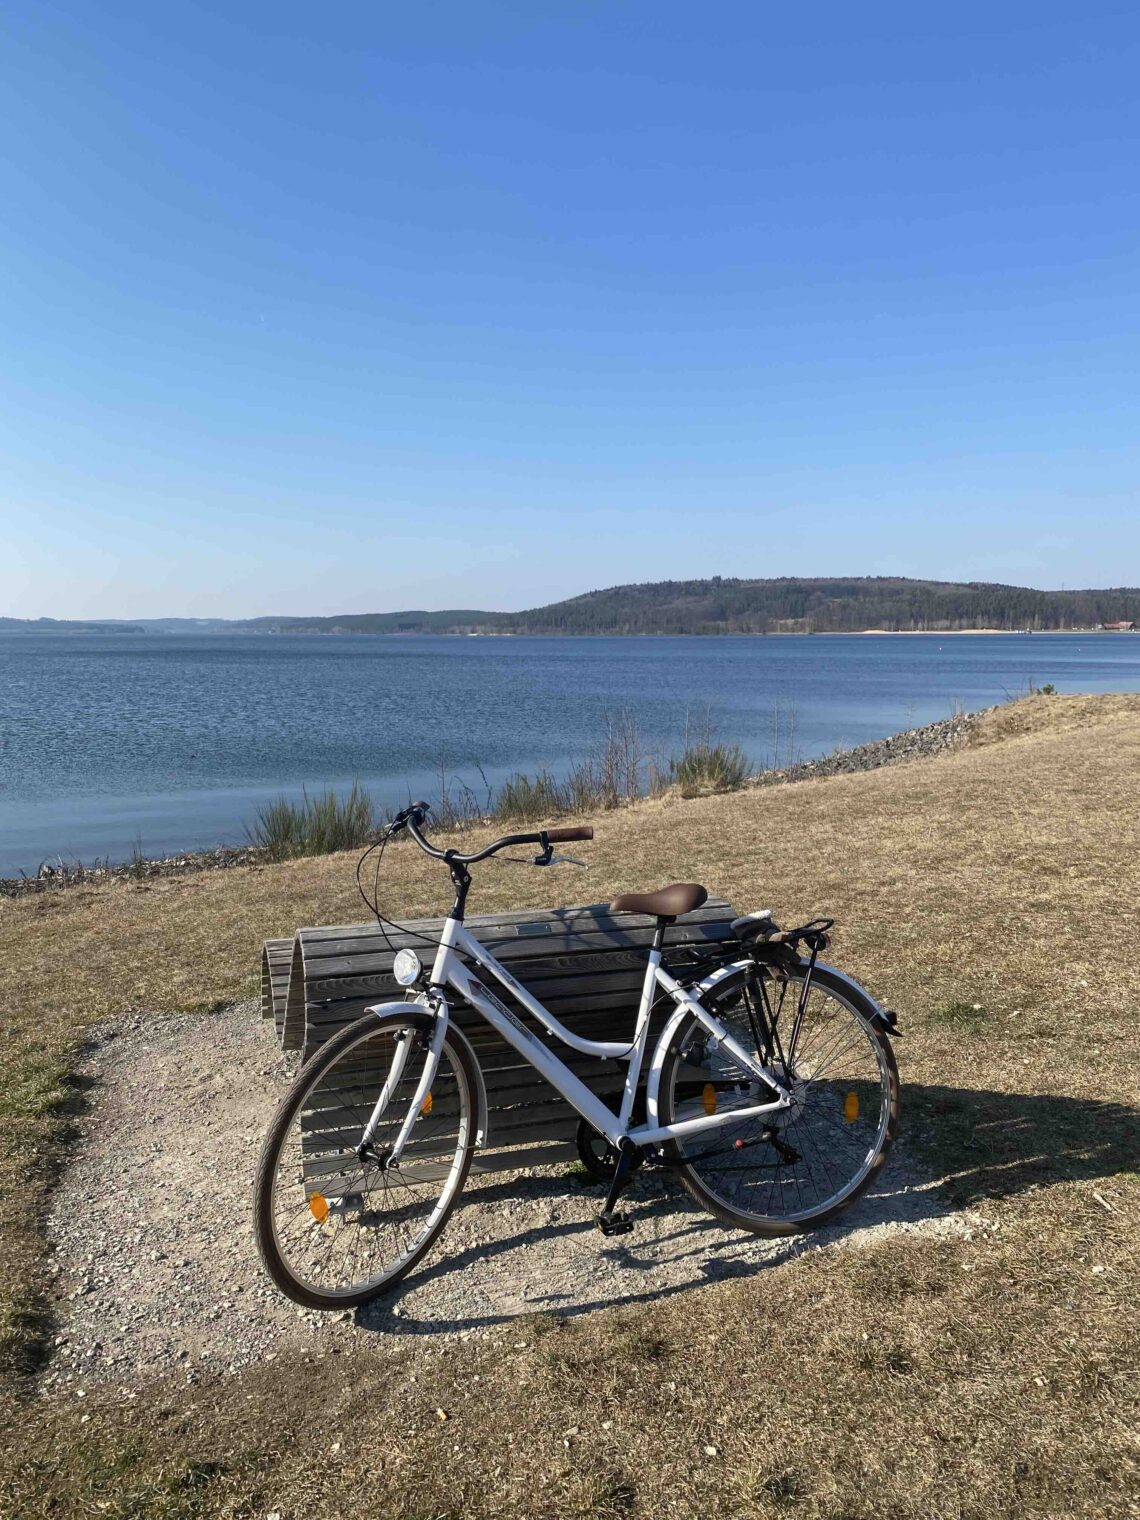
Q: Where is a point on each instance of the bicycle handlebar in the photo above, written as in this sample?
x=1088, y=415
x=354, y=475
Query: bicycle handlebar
x=412, y=819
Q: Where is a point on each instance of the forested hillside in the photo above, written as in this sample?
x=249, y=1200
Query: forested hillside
x=786, y=605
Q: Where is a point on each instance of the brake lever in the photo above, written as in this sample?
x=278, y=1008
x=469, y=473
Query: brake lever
x=568, y=860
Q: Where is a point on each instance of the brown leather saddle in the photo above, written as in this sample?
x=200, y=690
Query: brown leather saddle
x=669, y=902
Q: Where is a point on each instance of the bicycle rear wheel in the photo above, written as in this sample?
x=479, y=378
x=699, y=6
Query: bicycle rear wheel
x=334, y=1225
x=791, y=1171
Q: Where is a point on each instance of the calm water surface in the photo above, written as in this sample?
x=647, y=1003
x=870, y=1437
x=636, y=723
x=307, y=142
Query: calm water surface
x=171, y=742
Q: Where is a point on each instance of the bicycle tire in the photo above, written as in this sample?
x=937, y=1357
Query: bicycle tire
x=721, y=1003
x=320, y=1068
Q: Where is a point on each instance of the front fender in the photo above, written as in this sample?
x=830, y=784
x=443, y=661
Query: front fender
x=423, y=1018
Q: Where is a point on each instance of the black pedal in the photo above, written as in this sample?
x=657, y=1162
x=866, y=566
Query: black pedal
x=616, y=1224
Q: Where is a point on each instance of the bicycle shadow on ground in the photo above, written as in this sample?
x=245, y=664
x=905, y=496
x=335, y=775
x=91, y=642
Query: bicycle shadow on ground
x=958, y=1147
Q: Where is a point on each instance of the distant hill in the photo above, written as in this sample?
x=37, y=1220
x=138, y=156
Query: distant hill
x=63, y=625
x=460, y=620
x=790, y=604
x=785, y=605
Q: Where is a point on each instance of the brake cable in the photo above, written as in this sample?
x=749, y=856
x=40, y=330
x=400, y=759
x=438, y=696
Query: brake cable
x=385, y=923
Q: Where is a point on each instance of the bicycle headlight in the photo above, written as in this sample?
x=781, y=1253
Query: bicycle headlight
x=406, y=967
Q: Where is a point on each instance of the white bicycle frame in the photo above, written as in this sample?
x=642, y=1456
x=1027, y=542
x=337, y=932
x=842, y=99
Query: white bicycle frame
x=450, y=971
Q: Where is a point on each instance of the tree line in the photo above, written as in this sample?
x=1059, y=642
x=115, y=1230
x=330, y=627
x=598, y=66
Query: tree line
x=784, y=605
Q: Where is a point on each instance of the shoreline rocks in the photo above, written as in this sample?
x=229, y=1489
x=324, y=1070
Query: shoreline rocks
x=53, y=877
x=911, y=744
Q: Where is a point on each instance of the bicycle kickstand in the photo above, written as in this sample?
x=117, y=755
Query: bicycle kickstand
x=609, y=1221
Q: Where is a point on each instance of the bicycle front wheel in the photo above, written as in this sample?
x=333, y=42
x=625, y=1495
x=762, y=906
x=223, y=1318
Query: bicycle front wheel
x=794, y=1170
x=335, y=1225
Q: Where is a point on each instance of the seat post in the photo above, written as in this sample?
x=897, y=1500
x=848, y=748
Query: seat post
x=659, y=932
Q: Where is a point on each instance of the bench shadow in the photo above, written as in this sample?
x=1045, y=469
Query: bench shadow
x=959, y=1146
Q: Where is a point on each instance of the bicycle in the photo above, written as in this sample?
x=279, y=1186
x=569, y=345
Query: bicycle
x=772, y=1092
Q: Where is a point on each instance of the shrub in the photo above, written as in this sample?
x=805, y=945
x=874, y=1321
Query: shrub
x=530, y=799
x=610, y=775
x=706, y=767
x=315, y=826
x=615, y=768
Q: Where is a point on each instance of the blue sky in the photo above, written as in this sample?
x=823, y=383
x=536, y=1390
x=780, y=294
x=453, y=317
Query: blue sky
x=356, y=307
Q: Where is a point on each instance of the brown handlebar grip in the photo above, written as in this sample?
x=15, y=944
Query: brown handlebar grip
x=563, y=836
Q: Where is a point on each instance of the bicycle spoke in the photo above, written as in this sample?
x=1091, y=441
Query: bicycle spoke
x=341, y=1219
x=818, y=1151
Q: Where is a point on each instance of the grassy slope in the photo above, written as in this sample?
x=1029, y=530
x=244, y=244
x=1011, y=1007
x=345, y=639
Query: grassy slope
x=934, y=1377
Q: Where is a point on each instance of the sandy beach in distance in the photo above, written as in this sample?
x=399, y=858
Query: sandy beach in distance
x=948, y=633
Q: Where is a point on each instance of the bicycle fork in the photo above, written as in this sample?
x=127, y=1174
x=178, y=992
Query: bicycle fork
x=392, y=1082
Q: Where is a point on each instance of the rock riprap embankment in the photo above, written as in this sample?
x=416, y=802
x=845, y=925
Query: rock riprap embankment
x=912, y=744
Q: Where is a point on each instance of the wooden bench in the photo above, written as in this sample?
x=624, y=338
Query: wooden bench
x=585, y=964
x=276, y=964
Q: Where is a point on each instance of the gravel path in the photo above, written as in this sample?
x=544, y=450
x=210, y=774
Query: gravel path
x=151, y=1235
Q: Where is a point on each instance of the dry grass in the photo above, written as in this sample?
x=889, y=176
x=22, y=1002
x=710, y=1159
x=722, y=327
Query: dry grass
x=995, y=1375
x=1040, y=714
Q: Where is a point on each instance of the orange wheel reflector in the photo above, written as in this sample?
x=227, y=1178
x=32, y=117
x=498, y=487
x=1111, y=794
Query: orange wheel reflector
x=851, y=1107
x=319, y=1207
x=425, y=1106
x=708, y=1098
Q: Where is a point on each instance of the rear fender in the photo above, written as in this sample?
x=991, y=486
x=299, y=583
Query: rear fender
x=672, y=1027
x=884, y=1019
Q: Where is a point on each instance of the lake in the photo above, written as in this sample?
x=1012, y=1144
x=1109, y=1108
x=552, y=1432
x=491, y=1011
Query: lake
x=171, y=743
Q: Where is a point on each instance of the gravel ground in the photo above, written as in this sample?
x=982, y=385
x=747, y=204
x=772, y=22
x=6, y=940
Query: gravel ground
x=151, y=1237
